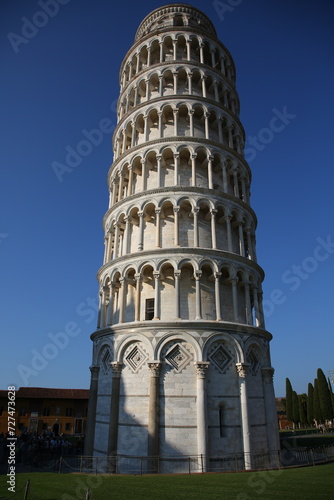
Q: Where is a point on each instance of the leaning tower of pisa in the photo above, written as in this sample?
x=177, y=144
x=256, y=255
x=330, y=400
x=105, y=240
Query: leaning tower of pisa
x=181, y=362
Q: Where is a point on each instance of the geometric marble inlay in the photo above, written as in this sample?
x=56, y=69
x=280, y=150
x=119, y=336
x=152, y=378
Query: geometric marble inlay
x=135, y=359
x=253, y=360
x=220, y=358
x=178, y=357
x=106, y=358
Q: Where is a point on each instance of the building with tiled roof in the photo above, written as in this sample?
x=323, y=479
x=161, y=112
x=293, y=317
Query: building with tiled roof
x=39, y=409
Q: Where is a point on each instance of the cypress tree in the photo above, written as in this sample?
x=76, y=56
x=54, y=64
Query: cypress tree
x=295, y=408
x=316, y=403
x=310, y=404
x=302, y=399
x=331, y=391
x=288, y=396
x=325, y=399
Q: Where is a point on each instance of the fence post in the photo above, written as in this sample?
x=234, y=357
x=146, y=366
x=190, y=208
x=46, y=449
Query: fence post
x=59, y=469
x=26, y=491
x=189, y=465
x=141, y=466
x=81, y=464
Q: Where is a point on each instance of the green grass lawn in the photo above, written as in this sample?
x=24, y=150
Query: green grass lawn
x=313, y=483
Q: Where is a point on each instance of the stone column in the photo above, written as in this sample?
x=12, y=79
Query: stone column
x=116, y=369
x=256, y=307
x=91, y=415
x=177, y=276
x=137, y=299
x=225, y=184
x=190, y=89
x=176, y=168
x=271, y=416
x=174, y=49
x=203, y=86
x=210, y=182
x=135, y=99
x=122, y=298
x=188, y=42
x=176, y=114
x=145, y=128
x=213, y=229
x=141, y=230
x=230, y=138
x=160, y=85
x=249, y=319
x=196, y=239
x=229, y=232
x=160, y=124
x=215, y=88
x=193, y=169
x=241, y=239
x=201, y=54
x=217, y=297
x=156, y=276
x=206, y=125
x=176, y=226
x=242, y=369
x=99, y=315
x=130, y=185
x=197, y=277
x=133, y=134
x=191, y=122
x=234, y=282
x=202, y=427
x=159, y=158
x=153, y=414
x=175, y=80
x=126, y=235
x=157, y=227
x=249, y=243
x=143, y=174
x=110, y=309
x=235, y=182
x=116, y=240
x=161, y=51
x=147, y=83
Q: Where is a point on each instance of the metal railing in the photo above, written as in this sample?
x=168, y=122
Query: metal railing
x=194, y=464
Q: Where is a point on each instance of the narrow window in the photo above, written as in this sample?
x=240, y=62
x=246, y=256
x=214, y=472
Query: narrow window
x=149, y=309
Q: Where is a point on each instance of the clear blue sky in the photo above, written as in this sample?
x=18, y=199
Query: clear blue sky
x=62, y=78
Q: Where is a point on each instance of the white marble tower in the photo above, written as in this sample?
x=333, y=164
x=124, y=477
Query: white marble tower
x=181, y=362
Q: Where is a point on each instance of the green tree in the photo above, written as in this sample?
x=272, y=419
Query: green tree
x=316, y=403
x=325, y=398
x=302, y=400
x=310, y=404
x=331, y=391
x=295, y=408
x=288, y=396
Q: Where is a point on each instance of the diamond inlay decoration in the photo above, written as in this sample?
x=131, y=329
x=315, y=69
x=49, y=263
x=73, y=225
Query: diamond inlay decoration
x=220, y=358
x=254, y=362
x=105, y=359
x=178, y=357
x=135, y=358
